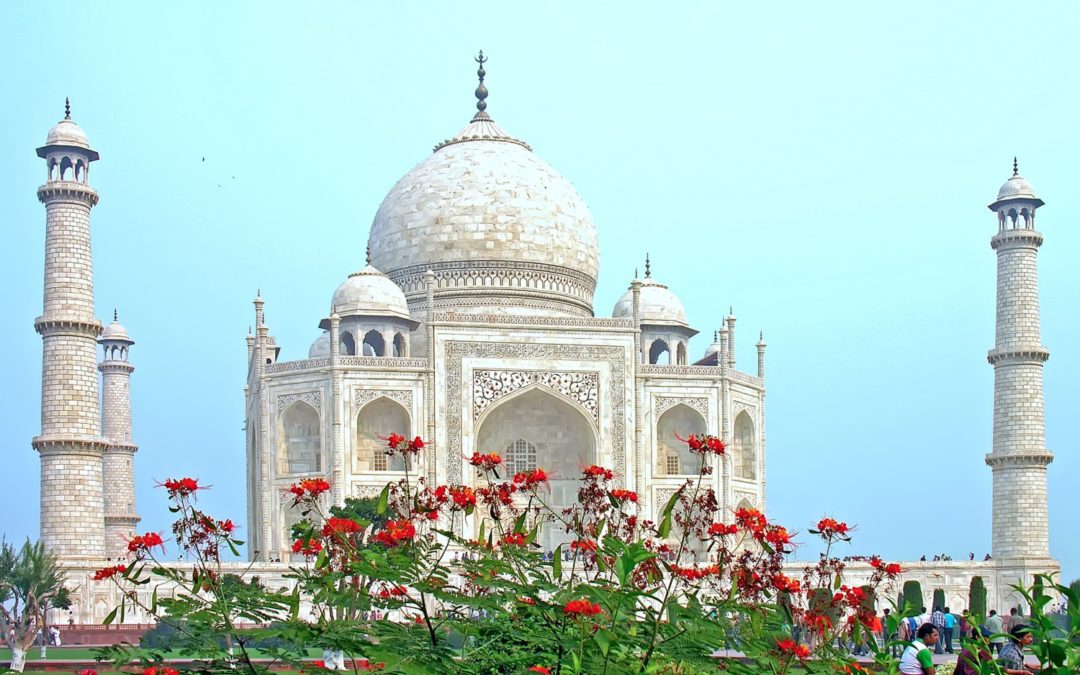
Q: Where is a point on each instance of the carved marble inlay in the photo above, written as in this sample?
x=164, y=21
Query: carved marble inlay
x=700, y=404
x=581, y=388
x=456, y=352
x=362, y=397
x=313, y=398
x=365, y=491
x=739, y=407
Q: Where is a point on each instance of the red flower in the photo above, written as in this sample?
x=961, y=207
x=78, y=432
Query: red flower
x=88, y=671
x=340, y=526
x=318, y=663
x=486, y=462
x=703, y=444
x=595, y=471
x=531, y=478
x=526, y=601
x=226, y=525
x=396, y=532
x=583, y=545
x=789, y=646
x=777, y=535
x=463, y=496
x=534, y=669
x=109, y=572
x=582, y=607
x=827, y=527
x=785, y=584
x=163, y=670
x=694, y=573
x=309, y=488
x=515, y=539
x=146, y=542
x=364, y=664
x=309, y=548
x=182, y=487
x=624, y=495
x=394, y=440
x=751, y=520
x=432, y=515
x=892, y=569
x=721, y=530
x=397, y=443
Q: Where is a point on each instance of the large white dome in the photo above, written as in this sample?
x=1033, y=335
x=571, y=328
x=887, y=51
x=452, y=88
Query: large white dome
x=500, y=228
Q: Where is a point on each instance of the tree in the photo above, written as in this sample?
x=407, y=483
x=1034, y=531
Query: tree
x=939, y=598
x=31, y=582
x=977, y=597
x=913, y=597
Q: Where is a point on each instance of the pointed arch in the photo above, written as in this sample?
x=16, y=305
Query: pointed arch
x=347, y=344
x=376, y=420
x=374, y=344
x=65, y=167
x=300, y=449
x=681, y=357
x=744, y=452
x=659, y=350
x=399, y=345
x=673, y=457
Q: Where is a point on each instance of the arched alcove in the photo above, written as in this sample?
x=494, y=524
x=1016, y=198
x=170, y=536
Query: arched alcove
x=537, y=429
x=374, y=344
x=681, y=354
x=348, y=344
x=673, y=457
x=376, y=419
x=660, y=353
x=399, y=345
x=301, y=433
x=744, y=453
x=65, y=167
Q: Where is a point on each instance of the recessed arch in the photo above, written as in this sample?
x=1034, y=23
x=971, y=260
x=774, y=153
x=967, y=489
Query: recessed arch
x=744, y=451
x=65, y=167
x=659, y=353
x=376, y=420
x=399, y=345
x=300, y=449
x=347, y=344
x=374, y=344
x=673, y=457
x=680, y=352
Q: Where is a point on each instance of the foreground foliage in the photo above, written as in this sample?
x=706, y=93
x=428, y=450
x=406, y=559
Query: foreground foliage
x=31, y=582
x=384, y=588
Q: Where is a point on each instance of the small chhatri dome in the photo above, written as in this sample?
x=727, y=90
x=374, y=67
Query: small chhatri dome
x=715, y=347
x=321, y=347
x=1017, y=187
x=66, y=132
x=115, y=332
x=369, y=292
x=658, y=305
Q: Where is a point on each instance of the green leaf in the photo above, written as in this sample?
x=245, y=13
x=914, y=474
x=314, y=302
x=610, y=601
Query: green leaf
x=556, y=564
x=483, y=522
x=665, y=527
x=111, y=617
x=519, y=523
x=673, y=501
x=604, y=639
x=384, y=500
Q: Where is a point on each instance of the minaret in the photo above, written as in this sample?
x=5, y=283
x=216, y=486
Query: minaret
x=70, y=444
x=118, y=465
x=1019, y=456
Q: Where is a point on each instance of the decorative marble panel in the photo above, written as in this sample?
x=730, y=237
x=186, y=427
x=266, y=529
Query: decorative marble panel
x=363, y=396
x=491, y=385
x=698, y=403
x=456, y=352
x=313, y=398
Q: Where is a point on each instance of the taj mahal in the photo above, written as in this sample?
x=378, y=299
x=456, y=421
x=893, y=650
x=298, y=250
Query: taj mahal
x=471, y=323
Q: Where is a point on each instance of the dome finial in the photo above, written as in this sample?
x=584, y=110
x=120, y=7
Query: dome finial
x=1016, y=167
x=114, y=315
x=648, y=267
x=67, y=108
x=367, y=254
x=481, y=90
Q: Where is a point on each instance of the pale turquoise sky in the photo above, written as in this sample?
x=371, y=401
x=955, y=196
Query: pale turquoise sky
x=825, y=168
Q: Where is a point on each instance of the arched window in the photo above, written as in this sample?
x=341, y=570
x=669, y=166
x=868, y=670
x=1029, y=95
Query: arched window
x=744, y=454
x=399, y=344
x=380, y=418
x=538, y=429
x=65, y=167
x=681, y=352
x=348, y=344
x=301, y=434
x=374, y=345
x=659, y=353
x=519, y=456
x=673, y=457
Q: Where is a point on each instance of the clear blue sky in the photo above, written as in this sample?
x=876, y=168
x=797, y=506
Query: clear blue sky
x=824, y=168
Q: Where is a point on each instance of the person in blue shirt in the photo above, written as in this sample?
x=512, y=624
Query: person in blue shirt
x=950, y=626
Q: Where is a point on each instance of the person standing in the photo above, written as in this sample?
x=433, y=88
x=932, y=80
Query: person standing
x=996, y=625
x=917, y=659
x=950, y=626
x=938, y=620
x=1011, y=657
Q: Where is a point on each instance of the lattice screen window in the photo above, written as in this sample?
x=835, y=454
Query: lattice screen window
x=519, y=456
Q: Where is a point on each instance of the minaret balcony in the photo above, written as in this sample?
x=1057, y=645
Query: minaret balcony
x=67, y=190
